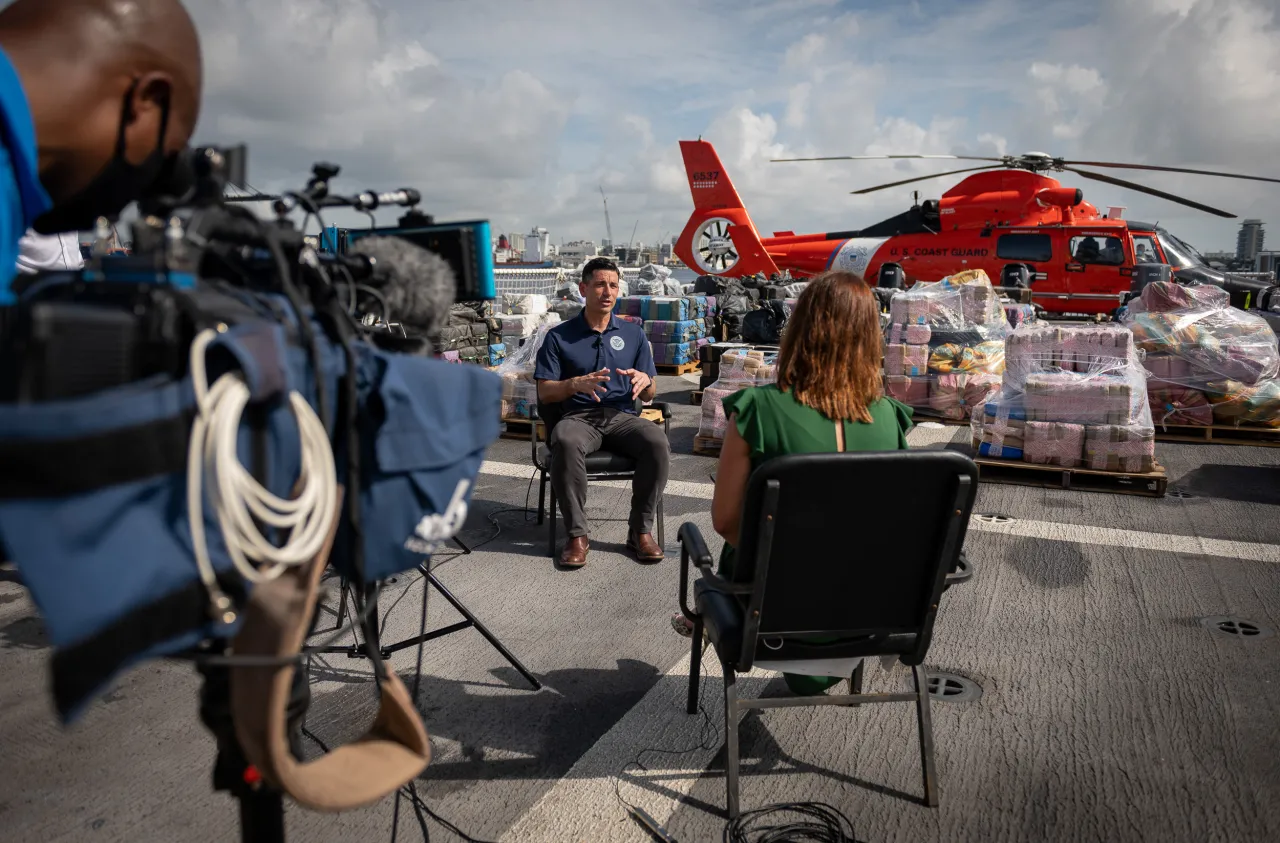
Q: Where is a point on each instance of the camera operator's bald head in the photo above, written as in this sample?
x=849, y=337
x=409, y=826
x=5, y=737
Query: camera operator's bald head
x=86, y=64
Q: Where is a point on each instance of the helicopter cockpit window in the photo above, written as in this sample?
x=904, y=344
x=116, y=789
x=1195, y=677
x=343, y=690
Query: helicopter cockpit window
x=1098, y=250
x=1144, y=249
x=1179, y=253
x=1035, y=248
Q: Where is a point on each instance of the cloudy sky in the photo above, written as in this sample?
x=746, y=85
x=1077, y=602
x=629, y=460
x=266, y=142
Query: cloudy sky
x=518, y=111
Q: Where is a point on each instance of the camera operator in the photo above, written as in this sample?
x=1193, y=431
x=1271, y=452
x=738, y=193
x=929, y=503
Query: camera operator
x=95, y=98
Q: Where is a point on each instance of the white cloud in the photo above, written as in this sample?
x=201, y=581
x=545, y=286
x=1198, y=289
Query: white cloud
x=518, y=113
x=804, y=52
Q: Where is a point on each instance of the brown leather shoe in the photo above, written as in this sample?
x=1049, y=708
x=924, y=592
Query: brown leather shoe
x=644, y=547
x=574, y=554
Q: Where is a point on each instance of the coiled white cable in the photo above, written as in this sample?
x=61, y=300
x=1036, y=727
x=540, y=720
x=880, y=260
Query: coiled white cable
x=236, y=497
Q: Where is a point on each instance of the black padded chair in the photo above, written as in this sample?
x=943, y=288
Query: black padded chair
x=601, y=465
x=850, y=546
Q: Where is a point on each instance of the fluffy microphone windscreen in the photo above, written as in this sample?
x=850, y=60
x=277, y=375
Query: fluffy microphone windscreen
x=418, y=284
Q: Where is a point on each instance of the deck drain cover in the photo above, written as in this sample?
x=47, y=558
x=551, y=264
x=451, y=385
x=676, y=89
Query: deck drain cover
x=1236, y=627
x=1180, y=493
x=950, y=687
x=992, y=518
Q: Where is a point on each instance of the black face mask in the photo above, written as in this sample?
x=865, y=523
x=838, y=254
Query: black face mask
x=118, y=184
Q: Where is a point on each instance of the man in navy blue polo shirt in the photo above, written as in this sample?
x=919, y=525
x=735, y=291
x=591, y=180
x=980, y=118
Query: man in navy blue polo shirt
x=95, y=98
x=594, y=367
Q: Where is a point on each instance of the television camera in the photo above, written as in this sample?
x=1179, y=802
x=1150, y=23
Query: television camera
x=211, y=421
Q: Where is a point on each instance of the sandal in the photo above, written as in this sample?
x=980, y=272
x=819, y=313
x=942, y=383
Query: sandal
x=682, y=625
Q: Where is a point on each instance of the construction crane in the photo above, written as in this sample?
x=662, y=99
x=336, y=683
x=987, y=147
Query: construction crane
x=608, y=227
x=632, y=241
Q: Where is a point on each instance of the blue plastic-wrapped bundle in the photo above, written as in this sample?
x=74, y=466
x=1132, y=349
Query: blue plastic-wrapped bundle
x=1000, y=429
x=673, y=353
x=497, y=353
x=631, y=306
x=667, y=309
x=678, y=332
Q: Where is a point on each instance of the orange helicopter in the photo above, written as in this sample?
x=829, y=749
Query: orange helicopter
x=1008, y=219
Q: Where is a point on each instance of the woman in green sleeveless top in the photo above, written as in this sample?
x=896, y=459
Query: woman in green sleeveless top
x=828, y=397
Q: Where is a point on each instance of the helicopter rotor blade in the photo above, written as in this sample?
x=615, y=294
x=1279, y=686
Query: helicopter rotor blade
x=887, y=157
x=1150, y=190
x=1168, y=170
x=924, y=178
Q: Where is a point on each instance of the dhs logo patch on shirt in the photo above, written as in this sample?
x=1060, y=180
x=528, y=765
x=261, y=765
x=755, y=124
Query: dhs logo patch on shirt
x=617, y=343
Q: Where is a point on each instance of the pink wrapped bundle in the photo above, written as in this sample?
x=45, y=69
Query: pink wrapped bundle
x=915, y=360
x=898, y=310
x=627, y=318
x=977, y=299
x=713, y=418
x=908, y=309
x=914, y=392
x=1120, y=448
x=895, y=358
x=955, y=396
x=1173, y=403
x=918, y=334
x=1166, y=367
x=1054, y=443
x=1083, y=399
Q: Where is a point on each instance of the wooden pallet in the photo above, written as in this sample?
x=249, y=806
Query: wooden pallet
x=1152, y=485
x=518, y=427
x=706, y=446
x=679, y=369
x=1219, y=434
x=695, y=398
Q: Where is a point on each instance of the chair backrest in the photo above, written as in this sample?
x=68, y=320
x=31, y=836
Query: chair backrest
x=852, y=544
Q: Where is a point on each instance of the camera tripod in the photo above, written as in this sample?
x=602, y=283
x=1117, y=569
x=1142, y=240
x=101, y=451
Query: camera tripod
x=357, y=651
x=261, y=806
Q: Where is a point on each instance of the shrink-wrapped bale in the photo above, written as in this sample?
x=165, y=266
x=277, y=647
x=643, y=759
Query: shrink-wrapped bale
x=672, y=353
x=1238, y=403
x=1054, y=443
x=953, y=327
x=910, y=391
x=1086, y=399
x=1173, y=403
x=1052, y=349
x=518, y=324
x=675, y=332
x=520, y=303
x=1000, y=429
x=1198, y=326
x=956, y=396
x=519, y=391
x=740, y=368
x=1119, y=448
x=987, y=357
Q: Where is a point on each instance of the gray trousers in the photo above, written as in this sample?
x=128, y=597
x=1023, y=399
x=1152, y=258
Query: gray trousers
x=580, y=434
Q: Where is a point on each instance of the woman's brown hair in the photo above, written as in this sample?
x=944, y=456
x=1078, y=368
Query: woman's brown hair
x=830, y=356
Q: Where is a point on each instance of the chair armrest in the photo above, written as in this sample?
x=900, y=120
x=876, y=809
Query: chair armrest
x=663, y=407
x=692, y=545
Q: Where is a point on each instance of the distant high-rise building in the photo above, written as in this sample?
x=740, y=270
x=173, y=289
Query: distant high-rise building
x=1249, y=240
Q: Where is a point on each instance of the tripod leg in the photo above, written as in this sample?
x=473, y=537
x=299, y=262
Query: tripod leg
x=489, y=636
x=460, y=543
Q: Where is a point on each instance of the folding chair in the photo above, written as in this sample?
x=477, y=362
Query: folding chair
x=601, y=465
x=852, y=547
